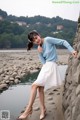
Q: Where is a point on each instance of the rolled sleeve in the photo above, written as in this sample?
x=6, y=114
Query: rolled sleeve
x=57, y=41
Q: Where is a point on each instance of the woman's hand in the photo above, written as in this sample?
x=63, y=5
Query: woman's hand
x=74, y=53
x=39, y=48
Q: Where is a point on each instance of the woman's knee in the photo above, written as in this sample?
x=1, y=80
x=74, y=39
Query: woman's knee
x=40, y=89
x=34, y=86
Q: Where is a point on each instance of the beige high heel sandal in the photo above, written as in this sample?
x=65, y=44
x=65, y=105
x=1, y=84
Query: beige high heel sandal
x=42, y=116
x=25, y=114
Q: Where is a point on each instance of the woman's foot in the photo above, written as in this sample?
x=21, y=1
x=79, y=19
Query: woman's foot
x=25, y=114
x=43, y=114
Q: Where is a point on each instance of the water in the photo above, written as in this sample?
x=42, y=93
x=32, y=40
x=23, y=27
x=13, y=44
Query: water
x=16, y=97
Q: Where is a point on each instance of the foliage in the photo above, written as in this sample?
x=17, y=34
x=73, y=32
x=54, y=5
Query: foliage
x=12, y=35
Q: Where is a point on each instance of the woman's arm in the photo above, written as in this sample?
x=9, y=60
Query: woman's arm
x=58, y=41
x=43, y=61
x=64, y=43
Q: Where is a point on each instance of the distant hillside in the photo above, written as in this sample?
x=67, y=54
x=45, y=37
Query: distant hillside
x=14, y=30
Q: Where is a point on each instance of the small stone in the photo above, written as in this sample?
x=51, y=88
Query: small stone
x=11, y=79
x=3, y=86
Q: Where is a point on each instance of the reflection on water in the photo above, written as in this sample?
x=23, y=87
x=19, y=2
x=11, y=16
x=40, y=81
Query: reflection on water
x=16, y=97
x=30, y=78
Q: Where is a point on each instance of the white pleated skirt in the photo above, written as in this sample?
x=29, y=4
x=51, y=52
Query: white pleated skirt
x=49, y=75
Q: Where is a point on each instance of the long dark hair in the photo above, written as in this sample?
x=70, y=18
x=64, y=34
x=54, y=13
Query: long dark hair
x=30, y=39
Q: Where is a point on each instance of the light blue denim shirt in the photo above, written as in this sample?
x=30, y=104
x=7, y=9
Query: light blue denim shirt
x=49, y=49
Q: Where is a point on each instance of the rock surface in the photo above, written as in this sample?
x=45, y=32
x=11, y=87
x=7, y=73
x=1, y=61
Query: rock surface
x=71, y=93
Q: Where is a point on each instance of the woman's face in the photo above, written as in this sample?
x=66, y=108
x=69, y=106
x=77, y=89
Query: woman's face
x=37, y=40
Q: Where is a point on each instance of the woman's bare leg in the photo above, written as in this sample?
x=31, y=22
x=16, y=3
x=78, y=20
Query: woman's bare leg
x=42, y=102
x=28, y=109
x=33, y=95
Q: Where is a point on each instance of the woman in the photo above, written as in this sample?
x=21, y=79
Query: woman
x=49, y=73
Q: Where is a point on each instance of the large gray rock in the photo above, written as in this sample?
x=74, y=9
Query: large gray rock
x=71, y=93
